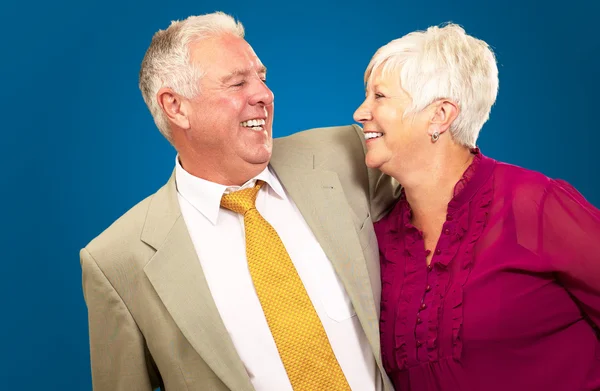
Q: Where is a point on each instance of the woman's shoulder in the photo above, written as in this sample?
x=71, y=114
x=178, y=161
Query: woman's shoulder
x=529, y=188
x=522, y=186
x=520, y=178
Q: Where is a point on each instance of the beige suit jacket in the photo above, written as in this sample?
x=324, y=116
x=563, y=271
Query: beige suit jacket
x=152, y=319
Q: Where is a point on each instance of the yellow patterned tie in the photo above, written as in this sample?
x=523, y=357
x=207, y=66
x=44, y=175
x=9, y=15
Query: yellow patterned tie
x=296, y=328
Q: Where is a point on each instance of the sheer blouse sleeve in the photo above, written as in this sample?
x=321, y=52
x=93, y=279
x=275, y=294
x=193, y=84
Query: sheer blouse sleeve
x=570, y=241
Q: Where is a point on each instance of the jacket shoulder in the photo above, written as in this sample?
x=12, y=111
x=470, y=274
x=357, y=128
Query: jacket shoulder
x=121, y=241
x=324, y=137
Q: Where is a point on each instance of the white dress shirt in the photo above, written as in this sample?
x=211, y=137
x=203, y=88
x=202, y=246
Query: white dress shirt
x=218, y=237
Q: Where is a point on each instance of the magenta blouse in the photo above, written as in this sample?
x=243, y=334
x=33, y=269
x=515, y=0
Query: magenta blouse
x=511, y=299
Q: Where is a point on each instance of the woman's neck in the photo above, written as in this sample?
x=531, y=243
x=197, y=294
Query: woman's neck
x=430, y=186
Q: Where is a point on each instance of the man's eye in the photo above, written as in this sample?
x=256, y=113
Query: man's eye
x=239, y=84
x=378, y=96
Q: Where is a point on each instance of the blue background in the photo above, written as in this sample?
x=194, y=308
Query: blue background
x=79, y=147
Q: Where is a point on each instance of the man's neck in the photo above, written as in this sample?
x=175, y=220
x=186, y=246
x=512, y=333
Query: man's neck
x=223, y=174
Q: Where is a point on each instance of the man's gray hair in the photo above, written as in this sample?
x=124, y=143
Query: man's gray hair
x=167, y=60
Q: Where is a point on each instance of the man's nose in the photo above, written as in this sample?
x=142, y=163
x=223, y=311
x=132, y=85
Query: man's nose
x=261, y=94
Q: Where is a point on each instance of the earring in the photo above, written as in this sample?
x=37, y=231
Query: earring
x=435, y=136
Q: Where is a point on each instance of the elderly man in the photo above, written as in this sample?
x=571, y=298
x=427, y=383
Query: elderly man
x=253, y=268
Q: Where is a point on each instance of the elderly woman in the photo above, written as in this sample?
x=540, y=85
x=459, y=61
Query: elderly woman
x=490, y=272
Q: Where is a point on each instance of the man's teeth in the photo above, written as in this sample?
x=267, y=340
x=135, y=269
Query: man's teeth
x=254, y=124
x=369, y=135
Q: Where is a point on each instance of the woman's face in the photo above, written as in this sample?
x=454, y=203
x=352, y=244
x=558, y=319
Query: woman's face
x=390, y=136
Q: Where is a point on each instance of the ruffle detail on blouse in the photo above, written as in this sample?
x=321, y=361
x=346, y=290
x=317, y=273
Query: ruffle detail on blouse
x=480, y=210
x=469, y=172
x=449, y=244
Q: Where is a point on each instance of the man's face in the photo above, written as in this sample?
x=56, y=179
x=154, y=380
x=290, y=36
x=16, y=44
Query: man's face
x=231, y=119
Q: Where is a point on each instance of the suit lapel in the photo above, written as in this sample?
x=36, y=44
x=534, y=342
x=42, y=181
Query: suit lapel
x=177, y=277
x=320, y=198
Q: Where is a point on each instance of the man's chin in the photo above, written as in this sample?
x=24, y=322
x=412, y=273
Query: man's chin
x=261, y=157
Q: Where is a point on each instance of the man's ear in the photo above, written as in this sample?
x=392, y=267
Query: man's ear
x=174, y=107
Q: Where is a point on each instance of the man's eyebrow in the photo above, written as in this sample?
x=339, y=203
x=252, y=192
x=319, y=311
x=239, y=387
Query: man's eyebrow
x=234, y=73
x=242, y=72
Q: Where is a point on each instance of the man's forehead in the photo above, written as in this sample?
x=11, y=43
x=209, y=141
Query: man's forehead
x=226, y=54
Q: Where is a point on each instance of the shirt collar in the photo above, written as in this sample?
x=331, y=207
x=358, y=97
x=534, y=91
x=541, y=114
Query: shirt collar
x=205, y=196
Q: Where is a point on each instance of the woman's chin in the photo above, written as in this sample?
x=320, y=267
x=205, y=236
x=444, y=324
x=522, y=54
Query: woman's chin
x=372, y=161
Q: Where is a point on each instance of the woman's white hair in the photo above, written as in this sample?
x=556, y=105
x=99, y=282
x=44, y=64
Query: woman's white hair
x=167, y=60
x=444, y=62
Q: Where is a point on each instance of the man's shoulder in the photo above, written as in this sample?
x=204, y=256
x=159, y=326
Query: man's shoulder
x=316, y=136
x=338, y=145
x=122, y=240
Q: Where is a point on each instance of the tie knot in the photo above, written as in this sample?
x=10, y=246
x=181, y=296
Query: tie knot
x=241, y=201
